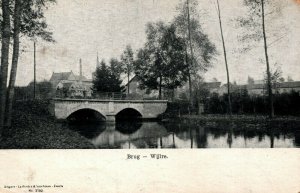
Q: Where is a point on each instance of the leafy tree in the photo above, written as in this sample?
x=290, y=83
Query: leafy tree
x=28, y=19
x=115, y=67
x=199, y=50
x=276, y=78
x=161, y=62
x=201, y=92
x=105, y=80
x=127, y=62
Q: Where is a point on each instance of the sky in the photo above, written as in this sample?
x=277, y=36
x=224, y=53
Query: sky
x=84, y=27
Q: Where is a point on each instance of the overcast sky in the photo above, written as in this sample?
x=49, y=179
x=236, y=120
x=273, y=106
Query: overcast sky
x=84, y=27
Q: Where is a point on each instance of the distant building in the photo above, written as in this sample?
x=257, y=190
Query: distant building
x=259, y=88
x=213, y=87
x=67, y=84
x=233, y=88
x=287, y=87
x=135, y=91
x=256, y=89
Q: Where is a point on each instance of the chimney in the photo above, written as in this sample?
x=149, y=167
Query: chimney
x=80, y=69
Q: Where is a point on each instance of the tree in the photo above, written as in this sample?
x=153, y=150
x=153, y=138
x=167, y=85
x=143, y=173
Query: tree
x=127, y=62
x=161, y=62
x=115, y=67
x=276, y=78
x=105, y=80
x=5, y=35
x=225, y=58
x=255, y=22
x=199, y=50
x=201, y=92
x=15, y=57
x=29, y=20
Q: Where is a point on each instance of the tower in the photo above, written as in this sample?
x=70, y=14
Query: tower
x=97, y=62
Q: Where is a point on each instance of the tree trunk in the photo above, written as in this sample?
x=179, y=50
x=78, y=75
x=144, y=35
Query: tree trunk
x=270, y=94
x=189, y=73
x=159, y=92
x=192, y=54
x=34, y=70
x=225, y=58
x=15, y=57
x=4, y=59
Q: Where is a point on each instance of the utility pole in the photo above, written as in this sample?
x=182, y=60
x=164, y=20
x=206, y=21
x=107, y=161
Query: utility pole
x=34, y=68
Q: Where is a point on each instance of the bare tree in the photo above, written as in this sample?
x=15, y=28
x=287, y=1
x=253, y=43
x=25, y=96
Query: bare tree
x=255, y=22
x=225, y=58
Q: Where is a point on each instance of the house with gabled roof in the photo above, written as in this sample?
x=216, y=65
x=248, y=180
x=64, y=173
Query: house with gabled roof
x=68, y=84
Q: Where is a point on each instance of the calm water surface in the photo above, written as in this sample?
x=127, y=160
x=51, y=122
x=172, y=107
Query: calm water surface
x=175, y=134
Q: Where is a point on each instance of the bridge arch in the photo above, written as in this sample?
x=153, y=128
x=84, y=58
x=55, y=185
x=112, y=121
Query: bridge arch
x=128, y=114
x=85, y=114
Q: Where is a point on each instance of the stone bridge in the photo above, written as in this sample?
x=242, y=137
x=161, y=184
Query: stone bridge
x=109, y=109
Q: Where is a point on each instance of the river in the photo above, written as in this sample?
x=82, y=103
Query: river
x=187, y=134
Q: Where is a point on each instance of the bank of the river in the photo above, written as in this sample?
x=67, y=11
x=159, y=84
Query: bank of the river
x=241, y=118
x=34, y=128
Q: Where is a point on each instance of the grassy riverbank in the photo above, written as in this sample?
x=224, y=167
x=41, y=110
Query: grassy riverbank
x=241, y=118
x=34, y=128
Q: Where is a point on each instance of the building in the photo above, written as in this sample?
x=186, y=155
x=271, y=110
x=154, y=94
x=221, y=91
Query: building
x=233, y=88
x=278, y=88
x=212, y=87
x=135, y=91
x=67, y=84
x=287, y=87
x=258, y=88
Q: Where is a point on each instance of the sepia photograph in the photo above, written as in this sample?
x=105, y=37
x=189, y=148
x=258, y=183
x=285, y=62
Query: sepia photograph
x=129, y=74
x=150, y=74
x=150, y=96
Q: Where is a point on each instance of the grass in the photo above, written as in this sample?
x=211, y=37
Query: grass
x=248, y=118
x=34, y=128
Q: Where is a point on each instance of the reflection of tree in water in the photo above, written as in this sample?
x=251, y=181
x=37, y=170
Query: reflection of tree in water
x=217, y=131
x=297, y=138
x=146, y=143
x=201, y=137
x=186, y=134
x=230, y=133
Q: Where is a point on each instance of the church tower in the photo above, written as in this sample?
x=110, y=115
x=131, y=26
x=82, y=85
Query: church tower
x=97, y=62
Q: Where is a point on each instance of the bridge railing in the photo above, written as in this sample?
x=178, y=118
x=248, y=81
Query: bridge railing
x=115, y=96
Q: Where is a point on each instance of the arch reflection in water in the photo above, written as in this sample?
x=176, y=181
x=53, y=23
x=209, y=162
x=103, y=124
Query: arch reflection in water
x=138, y=135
